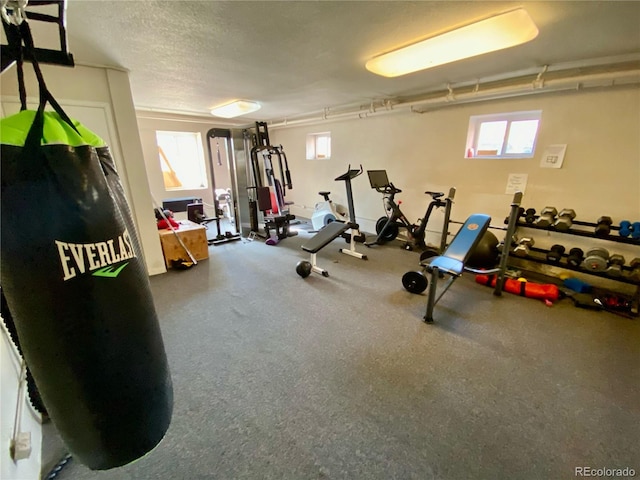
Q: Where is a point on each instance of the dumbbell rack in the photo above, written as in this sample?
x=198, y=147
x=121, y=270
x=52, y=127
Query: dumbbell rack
x=538, y=255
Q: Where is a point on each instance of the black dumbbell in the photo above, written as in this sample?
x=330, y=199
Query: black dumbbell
x=596, y=259
x=564, y=220
x=554, y=254
x=530, y=215
x=603, y=226
x=522, y=249
x=520, y=214
x=547, y=217
x=616, y=262
x=575, y=257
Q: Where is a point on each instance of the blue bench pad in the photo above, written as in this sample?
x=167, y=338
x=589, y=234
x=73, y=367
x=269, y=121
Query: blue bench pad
x=458, y=252
x=447, y=265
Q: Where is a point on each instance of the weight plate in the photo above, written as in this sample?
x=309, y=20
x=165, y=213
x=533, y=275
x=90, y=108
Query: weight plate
x=304, y=268
x=598, y=252
x=595, y=263
x=415, y=282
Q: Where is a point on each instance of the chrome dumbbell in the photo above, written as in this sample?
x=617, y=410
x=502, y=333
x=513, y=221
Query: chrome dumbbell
x=522, y=249
x=547, y=217
x=564, y=220
x=616, y=262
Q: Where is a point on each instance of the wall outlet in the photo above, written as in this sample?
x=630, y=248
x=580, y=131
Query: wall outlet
x=21, y=446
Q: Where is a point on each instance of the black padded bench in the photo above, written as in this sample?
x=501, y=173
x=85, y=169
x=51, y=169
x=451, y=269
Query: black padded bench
x=321, y=239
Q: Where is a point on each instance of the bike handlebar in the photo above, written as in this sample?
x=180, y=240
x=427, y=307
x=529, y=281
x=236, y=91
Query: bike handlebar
x=351, y=173
x=389, y=189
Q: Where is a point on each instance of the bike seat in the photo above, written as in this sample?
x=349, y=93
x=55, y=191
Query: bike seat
x=435, y=195
x=325, y=195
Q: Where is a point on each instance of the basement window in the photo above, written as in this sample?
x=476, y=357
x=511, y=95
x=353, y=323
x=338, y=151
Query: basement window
x=181, y=160
x=319, y=146
x=503, y=135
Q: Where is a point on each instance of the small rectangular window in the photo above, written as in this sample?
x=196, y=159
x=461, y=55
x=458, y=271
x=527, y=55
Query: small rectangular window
x=319, y=146
x=181, y=160
x=503, y=135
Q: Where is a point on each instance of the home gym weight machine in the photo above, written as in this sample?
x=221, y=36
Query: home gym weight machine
x=269, y=199
x=334, y=230
x=388, y=227
x=195, y=211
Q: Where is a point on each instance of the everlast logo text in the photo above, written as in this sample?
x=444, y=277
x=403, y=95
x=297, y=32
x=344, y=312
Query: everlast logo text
x=78, y=258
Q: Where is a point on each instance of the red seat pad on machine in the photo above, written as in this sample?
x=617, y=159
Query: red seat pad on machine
x=543, y=291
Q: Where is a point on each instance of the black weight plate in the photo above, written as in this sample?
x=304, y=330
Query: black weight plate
x=415, y=282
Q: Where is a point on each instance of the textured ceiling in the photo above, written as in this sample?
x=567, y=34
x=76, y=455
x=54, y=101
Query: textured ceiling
x=297, y=57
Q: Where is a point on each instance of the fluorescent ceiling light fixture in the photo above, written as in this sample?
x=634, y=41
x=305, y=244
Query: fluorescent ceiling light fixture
x=235, y=109
x=489, y=35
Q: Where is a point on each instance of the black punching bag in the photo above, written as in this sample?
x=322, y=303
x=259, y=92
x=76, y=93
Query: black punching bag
x=75, y=280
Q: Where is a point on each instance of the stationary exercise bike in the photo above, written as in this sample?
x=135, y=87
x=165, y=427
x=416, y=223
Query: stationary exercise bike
x=326, y=212
x=348, y=230
x=389, y=226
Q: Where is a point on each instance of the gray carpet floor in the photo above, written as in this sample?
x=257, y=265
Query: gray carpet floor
x=279, y=377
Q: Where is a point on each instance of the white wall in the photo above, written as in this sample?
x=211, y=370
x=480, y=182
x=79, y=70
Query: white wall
x=600, y=174
x=28, y=419
x=87, y=85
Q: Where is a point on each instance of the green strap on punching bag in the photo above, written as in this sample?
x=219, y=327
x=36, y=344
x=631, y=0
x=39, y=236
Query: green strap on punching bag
x=75, y=281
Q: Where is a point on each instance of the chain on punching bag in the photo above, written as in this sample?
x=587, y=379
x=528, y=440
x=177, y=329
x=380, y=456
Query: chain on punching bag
x=75, y=280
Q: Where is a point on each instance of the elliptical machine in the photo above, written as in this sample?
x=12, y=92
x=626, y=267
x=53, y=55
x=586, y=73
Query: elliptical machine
x=389, y=226
x=327, y=212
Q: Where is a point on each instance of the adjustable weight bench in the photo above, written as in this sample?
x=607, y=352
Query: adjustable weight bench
x=452, y=261
x=321, y=239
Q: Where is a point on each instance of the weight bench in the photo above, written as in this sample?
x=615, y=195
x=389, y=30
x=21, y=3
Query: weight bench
x=321, y=239
x=452, y=261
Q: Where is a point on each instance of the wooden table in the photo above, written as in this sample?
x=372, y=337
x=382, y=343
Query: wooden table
x=194, y=237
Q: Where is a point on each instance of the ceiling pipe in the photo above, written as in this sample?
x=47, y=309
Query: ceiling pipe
x=536, y=87
x=476, y=94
